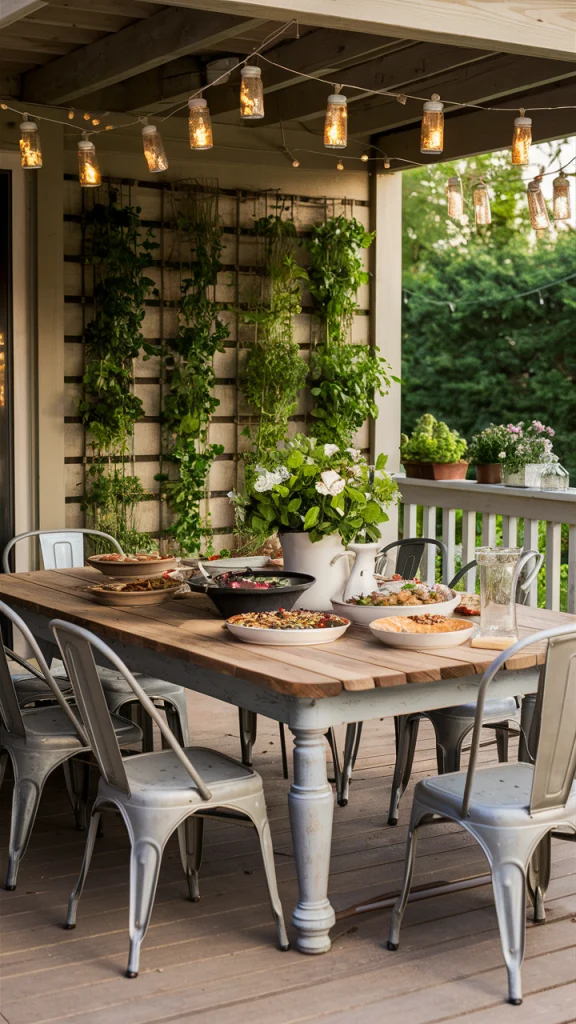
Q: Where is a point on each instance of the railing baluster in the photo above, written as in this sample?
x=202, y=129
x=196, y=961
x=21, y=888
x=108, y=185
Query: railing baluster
x=572, y=569
x=553, y=554
x=509, y=531
x=449, y=538
x=469, y=548
x=531, y=541
x=429, y=530
x=410, y=520
x=489, y=529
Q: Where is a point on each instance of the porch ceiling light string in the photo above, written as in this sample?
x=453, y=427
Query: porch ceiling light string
x=453, y=303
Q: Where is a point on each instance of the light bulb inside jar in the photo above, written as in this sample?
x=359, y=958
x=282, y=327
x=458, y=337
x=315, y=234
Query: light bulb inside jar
x=251, y=93
x=539, y=218
x=30, y=149
x=561, y=200
x=199, y=124
x=432, y=129
x=521, y=140
x=482, y=212
x=88, y=169
x=154, y=149
x=455, y=198
x=336, y=123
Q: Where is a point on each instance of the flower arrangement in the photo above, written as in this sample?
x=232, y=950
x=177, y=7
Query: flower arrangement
x=320, y=489
x=527, y=446
x=432, y=441
x=491, y=445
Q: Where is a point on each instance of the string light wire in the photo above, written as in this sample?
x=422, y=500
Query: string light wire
x=453, y=303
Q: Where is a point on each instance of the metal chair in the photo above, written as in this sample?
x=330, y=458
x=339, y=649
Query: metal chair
x=64, y=549
x=157, y=793
x=410, y=555
x=37, y=741
x=511, y=809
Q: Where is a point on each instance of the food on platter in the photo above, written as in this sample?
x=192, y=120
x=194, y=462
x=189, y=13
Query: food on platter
x=469, y=605
x=298, y=619
x=140, y=556
x=411, y=594
x=239, y=582
x=144, y=563
x=421, y=624
x=137, y=586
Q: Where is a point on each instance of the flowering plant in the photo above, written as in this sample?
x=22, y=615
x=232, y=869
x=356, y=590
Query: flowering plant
x=491, y=445
x=316, y=488
x=527, y=445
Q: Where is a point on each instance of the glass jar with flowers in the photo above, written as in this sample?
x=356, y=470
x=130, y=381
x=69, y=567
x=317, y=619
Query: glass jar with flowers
x=318, y=497
x=529, y=451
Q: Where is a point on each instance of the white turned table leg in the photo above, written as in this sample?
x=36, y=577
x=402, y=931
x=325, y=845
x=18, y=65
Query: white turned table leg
x=311, y=805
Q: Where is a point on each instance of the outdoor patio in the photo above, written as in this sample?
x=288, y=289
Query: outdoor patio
x=217, y=961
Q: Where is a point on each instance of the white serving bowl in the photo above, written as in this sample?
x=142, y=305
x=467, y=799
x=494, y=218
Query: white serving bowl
x=286, y=637
x=364, y=614
x=421, y=641
x=222, y=564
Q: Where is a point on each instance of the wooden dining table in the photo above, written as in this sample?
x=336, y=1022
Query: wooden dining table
x=310, y=689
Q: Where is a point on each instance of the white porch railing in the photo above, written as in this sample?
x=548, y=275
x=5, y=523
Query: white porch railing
x=513, y=504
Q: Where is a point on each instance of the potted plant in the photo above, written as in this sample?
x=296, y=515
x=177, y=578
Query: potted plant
x=433, y=451
x=529, y=452
x=318, y=497
x=488, y=450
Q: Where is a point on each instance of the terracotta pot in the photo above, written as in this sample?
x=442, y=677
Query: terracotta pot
x=443, y=470
x=413, y=470
x=489, y=473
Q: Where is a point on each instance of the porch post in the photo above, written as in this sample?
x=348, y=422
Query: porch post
x=386, y=317
x=50, y=329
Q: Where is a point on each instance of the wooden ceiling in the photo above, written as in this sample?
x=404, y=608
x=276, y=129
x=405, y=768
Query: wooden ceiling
x=135, y=56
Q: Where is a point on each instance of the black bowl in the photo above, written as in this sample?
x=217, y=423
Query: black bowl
x=235, y=602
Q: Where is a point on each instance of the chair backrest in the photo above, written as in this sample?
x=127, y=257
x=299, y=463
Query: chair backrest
x=77, y=647
x=410, y=554
x=10, y=711
x=556, y=756
x=524, y=585
x=61, y=549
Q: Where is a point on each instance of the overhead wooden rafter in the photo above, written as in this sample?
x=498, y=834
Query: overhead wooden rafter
x=15, y=10
x=135, y=49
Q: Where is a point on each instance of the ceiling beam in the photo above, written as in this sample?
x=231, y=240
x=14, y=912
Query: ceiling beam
x=137, y=48
x=153, y=91
x=485, y=82
x=540, y=28
x=14, y=10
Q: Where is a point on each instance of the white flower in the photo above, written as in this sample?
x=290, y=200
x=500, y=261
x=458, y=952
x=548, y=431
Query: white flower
x=355, y=453
x=263, y=483
x=330, y=449
x=501, y=455
x=240, y=514
x=282, y=473
x=266, y=479
x=330, y=483
x=354, y=471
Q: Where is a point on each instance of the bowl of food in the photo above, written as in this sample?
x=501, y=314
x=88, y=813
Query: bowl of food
x=143, y=591
x=421, y=632
x=145, y=563
x=263, y=591
x=286, y=628
x=394, y=600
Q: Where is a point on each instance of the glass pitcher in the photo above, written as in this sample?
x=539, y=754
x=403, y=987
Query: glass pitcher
x=500, y=570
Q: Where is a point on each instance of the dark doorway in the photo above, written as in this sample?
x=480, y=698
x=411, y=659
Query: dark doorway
x=6, y=350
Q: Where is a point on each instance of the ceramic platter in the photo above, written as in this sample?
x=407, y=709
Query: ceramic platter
x=218, y=565
x=131, y=599
x=287, y=637
x=422, y=641
x=364, y=614
x=133, y=570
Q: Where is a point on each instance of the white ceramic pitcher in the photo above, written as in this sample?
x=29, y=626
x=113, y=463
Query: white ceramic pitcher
x=361, y=581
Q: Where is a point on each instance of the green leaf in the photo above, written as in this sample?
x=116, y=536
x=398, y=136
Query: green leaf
x=294, y=505
x=381, y=461
x=311, y=518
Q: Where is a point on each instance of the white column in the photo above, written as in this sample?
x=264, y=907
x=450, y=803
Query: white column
x=386, y=317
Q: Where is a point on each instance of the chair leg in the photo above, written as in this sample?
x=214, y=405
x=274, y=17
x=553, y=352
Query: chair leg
x=248, y=721
x=283, y=750
x=145, y=860
x=263, y=829
x=177, y=717
x=406, y=728
x=28, y=786
x=502, y=736
x=450, y=734
x=509, y=885
x=88, y=851
x=351, y=746
x=174, y=722
x=400, y=905
x=331, y=741
x=190, y=837
x=77, y=778
x=3, y=763
x=538, y=876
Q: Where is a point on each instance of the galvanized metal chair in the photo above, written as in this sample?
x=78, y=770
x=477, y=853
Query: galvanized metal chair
x=37, y=741
x=64, y=549
x=157, y=793
x=511, y=809
x=410, y=555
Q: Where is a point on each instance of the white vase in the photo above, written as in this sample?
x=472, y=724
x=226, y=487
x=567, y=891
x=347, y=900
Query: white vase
x=361, y=582
x=529, y=476
x=301, y=555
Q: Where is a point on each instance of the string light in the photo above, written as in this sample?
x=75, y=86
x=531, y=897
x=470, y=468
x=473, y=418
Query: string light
x=95, y=121
x=339, y=166
x=30, y=148
x=539, y=218
x=482, y=212
x=295, y=163
x=336, y=123
x=88, y=169
x=386, y=164
x=522, y=139
x=364, y=158
x=455, y=198
x=251, y=93
x=199, y=124
x=86, y=116
x=561, y=197
x=154, y=149
x=432, y=130
x=71, y=115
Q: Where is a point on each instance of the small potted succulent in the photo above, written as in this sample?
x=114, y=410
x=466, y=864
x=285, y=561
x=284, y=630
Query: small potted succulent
x=488, y=450
x=528, y=454
x=433, y=451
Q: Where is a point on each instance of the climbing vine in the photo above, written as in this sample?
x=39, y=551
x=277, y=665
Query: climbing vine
x=274, y=371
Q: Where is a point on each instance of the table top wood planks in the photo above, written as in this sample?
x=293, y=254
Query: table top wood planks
x=187, y=628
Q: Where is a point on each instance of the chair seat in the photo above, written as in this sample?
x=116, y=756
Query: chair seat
x=30, y=689
x=501, y=795
x=49, y=728
x=114, y=682
x=159, y=779
x=497, y=710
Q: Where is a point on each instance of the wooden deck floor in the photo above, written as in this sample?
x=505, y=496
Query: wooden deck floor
x=216, y=961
